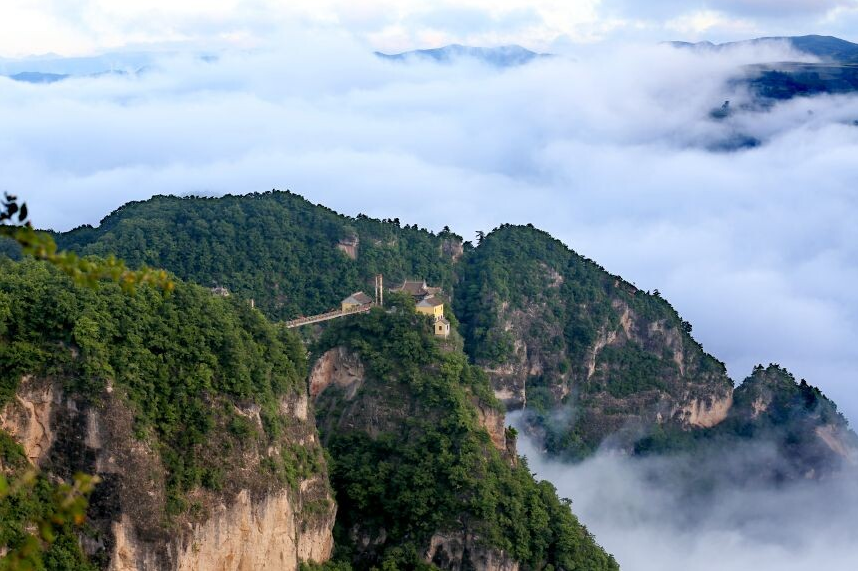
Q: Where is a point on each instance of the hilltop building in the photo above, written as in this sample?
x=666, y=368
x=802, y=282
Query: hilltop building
x=221, y=291
x=417, y=289
x=427, y=303
x=442, y=327
x=431, y=305
x=355, y=300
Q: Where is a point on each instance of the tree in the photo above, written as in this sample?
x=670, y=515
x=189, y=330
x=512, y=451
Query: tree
x=68, y=501
x=88, y=271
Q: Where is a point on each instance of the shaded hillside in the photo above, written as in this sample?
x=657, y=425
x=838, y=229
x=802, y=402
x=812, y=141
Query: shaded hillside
x=292, y=257
x=423, y=468
x=835, y=73
x=777, y=430
x=191, y=408
x=787, y=80
x=590, y=355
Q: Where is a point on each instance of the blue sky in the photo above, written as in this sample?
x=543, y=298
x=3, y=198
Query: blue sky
x=77, y=27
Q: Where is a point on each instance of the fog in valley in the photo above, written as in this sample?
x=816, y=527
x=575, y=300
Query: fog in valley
x=644, y=512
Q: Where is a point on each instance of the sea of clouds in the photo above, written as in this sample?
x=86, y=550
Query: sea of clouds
x=643, y=512
x=610, y=150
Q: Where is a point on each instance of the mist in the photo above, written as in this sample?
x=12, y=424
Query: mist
x=611, y=149
x=643, y=512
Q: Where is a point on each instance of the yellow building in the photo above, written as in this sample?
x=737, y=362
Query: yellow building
x=431, y=305
x=442, y=327
x=355, y=301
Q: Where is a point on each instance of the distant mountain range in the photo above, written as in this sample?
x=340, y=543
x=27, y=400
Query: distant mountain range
x=52, y=68
x=835, y=73
x=501, y=56
x=827, y=48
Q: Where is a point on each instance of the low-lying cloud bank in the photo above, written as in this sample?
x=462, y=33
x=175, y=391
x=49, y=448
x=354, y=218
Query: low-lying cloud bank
x=641, y=511
x=610, y=152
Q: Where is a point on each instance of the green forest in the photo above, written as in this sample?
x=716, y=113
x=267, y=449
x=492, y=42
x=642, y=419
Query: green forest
x=434, y=468
x=181, y=360
x=274, y=247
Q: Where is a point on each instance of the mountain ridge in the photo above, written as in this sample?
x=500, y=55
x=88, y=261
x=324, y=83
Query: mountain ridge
x=550, y=327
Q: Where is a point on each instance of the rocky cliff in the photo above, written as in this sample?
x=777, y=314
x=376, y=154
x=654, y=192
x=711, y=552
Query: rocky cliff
x=198, y=475
x=588, y=354
x=250, y=524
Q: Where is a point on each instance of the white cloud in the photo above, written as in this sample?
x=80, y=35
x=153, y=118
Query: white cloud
x=88, y=26
x=642, y=513
x=697, y=25
x=608, y=153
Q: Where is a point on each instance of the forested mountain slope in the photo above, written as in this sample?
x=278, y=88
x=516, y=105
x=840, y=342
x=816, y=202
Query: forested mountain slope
x=598, y=362
x=555, y=331
x=592, y=358
x=191, y=409
x=423, y=468
x=292, y=257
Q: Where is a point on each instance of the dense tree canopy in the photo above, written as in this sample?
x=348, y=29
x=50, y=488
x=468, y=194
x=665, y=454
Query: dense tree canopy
x=274, y=247
x=434, y=468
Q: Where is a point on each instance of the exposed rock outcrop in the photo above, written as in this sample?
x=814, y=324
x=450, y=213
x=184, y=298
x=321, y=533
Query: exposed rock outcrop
x=461, y=551
x=337, y=367
x=349, y=246
x=28, y=417
x=254, y=523
x=706, y=413
x=452, y=248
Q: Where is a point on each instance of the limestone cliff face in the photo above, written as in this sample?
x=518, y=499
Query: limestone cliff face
x=349, y=246
x=28, y=417
x=597, y=384
x=253, y=523
x=340, y=368
x=452, y=248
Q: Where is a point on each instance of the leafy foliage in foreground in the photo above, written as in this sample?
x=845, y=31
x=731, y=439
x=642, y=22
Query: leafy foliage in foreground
x=37, y=517
x=87, y=271
x=434, y=468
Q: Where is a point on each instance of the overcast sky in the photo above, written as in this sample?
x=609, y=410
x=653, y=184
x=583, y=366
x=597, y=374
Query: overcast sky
x=77, y=27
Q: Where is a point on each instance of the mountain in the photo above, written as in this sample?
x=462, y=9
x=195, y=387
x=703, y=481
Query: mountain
x=38, y=77
x=597, y=362
x=556, y=333
x=423, y=463
x=502, y=56
x=836, y=73
x=827, y=48
x=206, y=420
x=52, y=68
x=190, y=408
x=593, y=359
x=292, y=257
x=79, y=66
x=195, y=413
